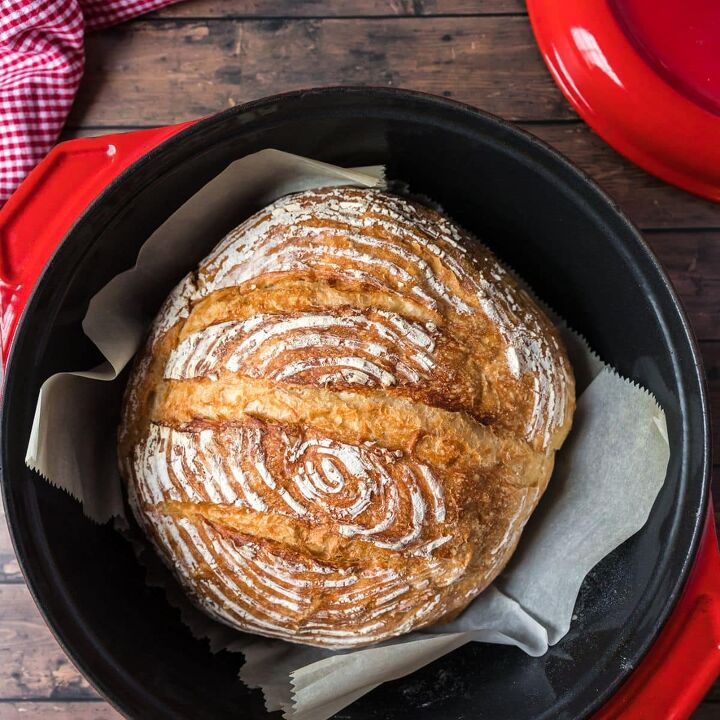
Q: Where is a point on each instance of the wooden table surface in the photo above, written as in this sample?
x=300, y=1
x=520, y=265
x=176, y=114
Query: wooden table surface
x=204, y=55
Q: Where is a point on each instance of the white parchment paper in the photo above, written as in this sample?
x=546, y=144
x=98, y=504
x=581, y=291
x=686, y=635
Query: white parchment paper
x=605, y=482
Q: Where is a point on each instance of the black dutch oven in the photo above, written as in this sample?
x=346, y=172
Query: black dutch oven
x=540, y=214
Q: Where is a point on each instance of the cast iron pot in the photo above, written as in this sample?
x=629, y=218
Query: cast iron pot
x=541, y=216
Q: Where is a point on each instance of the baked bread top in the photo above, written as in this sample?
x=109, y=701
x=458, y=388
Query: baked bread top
x=341, y=422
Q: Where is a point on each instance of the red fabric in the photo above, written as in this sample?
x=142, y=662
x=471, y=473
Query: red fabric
x=41, y=63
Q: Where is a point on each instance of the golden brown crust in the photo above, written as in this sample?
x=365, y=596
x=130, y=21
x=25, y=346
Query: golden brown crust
x=341, y=423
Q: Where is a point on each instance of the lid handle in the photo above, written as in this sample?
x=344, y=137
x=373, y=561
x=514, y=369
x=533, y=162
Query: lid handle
x=47, y=204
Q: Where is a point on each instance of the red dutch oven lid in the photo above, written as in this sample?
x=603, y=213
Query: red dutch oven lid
x=645, y=75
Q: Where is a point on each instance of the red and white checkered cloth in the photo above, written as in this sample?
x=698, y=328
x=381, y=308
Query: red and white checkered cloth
x=41, y=63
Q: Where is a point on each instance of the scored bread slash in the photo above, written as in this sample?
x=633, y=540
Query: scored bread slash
x=341, y=422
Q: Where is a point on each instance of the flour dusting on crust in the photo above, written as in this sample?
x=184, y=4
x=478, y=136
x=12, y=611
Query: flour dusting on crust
x=343, y=420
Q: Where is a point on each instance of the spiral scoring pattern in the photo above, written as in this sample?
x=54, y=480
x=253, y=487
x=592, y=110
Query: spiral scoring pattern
x=343, y=420
x=358, y=490
x=271, y=595
x=396, y=350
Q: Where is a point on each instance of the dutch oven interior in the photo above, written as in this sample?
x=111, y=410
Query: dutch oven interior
x=543, y=218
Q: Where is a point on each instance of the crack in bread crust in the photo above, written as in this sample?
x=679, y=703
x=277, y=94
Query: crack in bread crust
x=341, y=422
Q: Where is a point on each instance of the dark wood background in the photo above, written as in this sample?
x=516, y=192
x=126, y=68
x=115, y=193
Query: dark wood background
x=201, y=56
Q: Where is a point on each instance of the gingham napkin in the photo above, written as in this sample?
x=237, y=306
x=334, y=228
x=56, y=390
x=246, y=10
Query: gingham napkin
x=41, y=63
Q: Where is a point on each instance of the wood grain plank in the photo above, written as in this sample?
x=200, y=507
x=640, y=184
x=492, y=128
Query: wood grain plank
x=199, y=67
x=337, y=8
x=693, y=262
x=93, y=710
x=32, y=664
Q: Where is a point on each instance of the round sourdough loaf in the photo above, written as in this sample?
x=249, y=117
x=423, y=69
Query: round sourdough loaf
x=341, y=422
